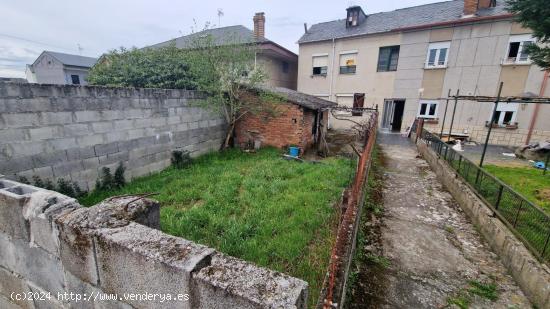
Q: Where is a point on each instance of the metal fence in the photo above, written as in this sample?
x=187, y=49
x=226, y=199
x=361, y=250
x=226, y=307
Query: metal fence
x=530, y=223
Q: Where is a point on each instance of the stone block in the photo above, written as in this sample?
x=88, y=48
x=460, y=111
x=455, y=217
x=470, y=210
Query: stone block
x=41, y=210
x=102, y=127
x=105, y=149
x=66, y=168
x=20, y=120
x=47, y=159
x=15, y=165
x=76, y=246
x=13, y=198
x=60, y=144
x=90, y=140
x=52, y=118
x=232, y=283
x=13, y=135
x=170, y=261
x=10, y=283
x=78, y=286
x=76, y=129
x=80, y=153
x=32, y=263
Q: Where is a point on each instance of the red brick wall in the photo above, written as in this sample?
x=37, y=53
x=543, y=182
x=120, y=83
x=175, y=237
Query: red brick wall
x=290, y=125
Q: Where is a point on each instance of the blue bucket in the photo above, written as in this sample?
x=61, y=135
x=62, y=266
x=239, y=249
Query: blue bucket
x=294, y=151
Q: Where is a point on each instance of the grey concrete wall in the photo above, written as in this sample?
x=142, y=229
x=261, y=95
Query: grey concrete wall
x=52, y=247
x=71, y=132
x=532, y=276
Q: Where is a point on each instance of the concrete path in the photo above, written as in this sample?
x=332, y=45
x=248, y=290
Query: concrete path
x=432, y=255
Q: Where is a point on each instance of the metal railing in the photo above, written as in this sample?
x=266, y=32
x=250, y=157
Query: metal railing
x=527, y=221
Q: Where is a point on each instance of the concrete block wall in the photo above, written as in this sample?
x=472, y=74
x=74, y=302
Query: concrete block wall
x=71, y=132
x=57, y=254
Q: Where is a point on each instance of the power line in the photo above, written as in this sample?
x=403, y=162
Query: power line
x=32, y=41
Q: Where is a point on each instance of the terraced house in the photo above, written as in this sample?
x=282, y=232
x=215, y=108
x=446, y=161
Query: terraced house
x=406, y=61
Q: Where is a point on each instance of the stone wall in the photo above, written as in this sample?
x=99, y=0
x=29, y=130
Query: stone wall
x=532, y=276
x=71, y=132
x=56, y=254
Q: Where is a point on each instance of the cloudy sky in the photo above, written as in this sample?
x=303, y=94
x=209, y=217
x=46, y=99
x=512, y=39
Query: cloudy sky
x=28, y=27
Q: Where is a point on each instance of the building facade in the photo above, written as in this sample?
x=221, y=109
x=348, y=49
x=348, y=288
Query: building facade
x=279, y=63
x=407, y=62
x=59, y=68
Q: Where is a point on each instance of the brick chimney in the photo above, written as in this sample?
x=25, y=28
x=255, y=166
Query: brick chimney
x=259, y=25
x=472, y=6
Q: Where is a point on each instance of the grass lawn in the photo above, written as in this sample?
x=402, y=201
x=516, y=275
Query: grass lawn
x=258, y=207
x=526, y=180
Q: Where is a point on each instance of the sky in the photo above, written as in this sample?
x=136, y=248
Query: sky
x=92, y=27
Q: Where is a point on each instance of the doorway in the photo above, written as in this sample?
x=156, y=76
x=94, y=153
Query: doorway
x=393, y=115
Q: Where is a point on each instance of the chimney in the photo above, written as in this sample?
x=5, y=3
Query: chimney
x=259, y=25
x=472, y=6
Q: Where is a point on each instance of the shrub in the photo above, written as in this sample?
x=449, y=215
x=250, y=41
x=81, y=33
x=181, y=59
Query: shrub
x=180, y=159
x=65, y=187
x=119, y=180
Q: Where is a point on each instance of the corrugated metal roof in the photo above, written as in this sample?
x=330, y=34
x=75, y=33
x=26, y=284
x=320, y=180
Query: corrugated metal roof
x=388, y=21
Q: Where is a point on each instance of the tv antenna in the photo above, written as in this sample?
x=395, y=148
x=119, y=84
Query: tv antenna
x=80, y=49
x=220, y=15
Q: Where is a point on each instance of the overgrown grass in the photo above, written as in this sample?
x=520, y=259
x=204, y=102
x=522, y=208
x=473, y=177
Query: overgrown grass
x=366, y=266
x=259, y=207
x=526, y=180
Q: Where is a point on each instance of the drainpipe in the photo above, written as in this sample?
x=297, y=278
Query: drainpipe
x=332, y=67
x=537, y=108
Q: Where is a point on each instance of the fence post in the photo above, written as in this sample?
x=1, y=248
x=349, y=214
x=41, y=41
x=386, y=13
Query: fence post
x=545, y=244
x=546, y=163
x=499, y=196
x=419, y=127
x=517, y=214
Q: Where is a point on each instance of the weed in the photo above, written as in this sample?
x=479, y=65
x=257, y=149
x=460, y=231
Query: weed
x=378, y=260
x=485, y=290
x=461, y=301
x=180, y=159
x=449, y=229
x=23, y=179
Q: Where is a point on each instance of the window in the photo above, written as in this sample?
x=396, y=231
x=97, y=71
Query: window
x=438, y=54
x=387, y=58
x=428, y=109
x=75, y=79
x=517, y=48
x=358, y=102
x=320, y=64
x=506, y=113
x=285, y=67
x=344, y=100
x=348, y=62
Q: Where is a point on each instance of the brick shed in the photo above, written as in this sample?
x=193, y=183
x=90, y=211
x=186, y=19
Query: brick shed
x=299, y=120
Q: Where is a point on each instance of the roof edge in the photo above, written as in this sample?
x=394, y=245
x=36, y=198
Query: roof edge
x=455, y=22
x=420, y=27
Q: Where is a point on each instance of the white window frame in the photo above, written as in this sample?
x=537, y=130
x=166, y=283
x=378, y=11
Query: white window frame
x=503, y=108
x=322, y=55
x=521, y=39
x=427, y=115
x=343, y=112
x=438, y=47
x=346, y=53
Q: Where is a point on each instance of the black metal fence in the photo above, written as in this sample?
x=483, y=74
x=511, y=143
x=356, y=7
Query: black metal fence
x=530, y=223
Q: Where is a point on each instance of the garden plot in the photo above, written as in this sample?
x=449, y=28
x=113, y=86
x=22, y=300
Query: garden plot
x=259, y=207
